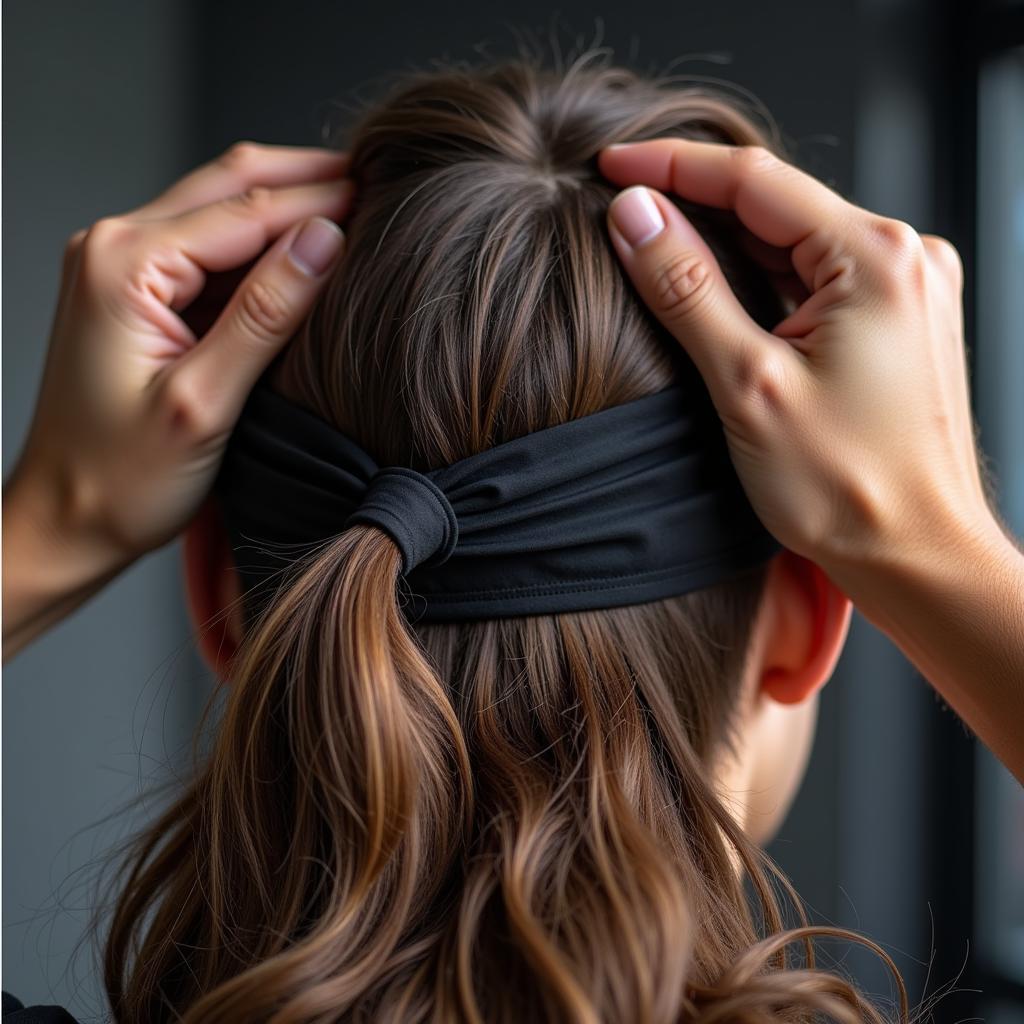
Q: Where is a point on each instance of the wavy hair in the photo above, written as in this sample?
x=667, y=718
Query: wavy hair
x=499, y=821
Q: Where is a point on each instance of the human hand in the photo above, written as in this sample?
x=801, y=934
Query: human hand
x=849, y=423
x=135, y=408
x=152, y=354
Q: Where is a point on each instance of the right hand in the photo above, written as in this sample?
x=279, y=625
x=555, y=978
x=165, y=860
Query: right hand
x=849, y=423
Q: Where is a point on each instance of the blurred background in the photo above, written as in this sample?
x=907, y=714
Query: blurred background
x=904, y=828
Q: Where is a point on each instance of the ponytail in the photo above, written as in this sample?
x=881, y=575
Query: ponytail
x=529, y=835
x=332, y=806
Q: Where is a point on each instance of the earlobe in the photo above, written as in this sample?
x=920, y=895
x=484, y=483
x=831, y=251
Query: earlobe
x=811, y=620
x=212, y=588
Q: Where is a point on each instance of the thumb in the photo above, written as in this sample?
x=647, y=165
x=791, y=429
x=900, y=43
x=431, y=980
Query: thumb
x=679, y=279
x=265, y=311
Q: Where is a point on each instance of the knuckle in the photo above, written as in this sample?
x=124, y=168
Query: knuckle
x=95, y=246
x=189, y=414
x=682, y=283
x=760, y=382
x=946, y=255
x=240, y=156
x=899, y=237
x=104, y=232
x=262, y=312
x=905, y=263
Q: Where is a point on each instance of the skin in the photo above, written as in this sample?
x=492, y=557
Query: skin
x=134, y=412
x=849, y=423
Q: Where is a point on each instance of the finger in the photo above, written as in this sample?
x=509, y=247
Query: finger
x=244, y=165
x=678, y=277
x=233, y=231
x=212, y=380
x=895, y=241
x=780, y=204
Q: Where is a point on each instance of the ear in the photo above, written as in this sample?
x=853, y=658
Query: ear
x=807, y=619
x=213, y=589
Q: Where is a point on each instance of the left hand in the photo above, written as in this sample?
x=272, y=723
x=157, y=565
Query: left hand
x=135, y=408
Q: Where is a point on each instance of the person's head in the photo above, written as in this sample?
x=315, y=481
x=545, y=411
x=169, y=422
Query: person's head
x=531, y=818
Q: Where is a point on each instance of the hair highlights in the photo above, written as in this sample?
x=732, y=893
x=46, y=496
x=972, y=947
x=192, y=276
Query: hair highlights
x=500, y=821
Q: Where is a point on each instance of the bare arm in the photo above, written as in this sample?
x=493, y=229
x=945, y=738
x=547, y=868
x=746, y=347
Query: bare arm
x=47, y=571
x=138, y=397
x=849, y=423
x=959, y=617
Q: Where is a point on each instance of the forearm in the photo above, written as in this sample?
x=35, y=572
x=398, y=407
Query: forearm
x=958, y=615
x=47, y=573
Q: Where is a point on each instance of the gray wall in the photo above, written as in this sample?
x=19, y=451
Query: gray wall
x=104, y=111
x=96, y=120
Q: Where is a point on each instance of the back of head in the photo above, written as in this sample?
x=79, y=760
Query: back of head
x=507, y=820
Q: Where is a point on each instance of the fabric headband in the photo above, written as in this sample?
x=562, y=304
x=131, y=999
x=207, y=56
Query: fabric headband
x=631, y=504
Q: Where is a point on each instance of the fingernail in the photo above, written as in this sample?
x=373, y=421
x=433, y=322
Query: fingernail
x=315, y=246
x=636, y=215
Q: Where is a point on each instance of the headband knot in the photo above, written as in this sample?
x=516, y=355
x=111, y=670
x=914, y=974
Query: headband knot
x=413, y=511
x=634, y=503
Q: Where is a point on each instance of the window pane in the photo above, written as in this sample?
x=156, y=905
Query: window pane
x=1000, y=408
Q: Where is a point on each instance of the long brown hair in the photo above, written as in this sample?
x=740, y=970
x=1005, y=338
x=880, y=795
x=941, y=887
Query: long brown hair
x=500, y=821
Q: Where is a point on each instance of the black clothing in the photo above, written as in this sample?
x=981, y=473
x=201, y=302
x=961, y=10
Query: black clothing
x=15, y=1013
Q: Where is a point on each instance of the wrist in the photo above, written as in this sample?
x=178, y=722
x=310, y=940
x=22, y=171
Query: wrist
x=958, y=616
x=50, y=563
x=955, y=554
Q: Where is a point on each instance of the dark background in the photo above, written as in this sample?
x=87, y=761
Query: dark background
x=903, y=829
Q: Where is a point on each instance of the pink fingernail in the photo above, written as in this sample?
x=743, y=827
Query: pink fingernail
x=315, y=246
x=636, y=215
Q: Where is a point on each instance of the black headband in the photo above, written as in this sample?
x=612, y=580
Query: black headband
x=634, y=503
